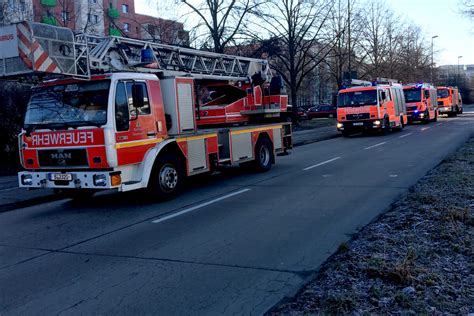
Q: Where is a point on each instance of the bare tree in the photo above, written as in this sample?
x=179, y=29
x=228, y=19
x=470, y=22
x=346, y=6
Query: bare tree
x=466, y=7
x=298, y=38
x=222, y=20
x=345, y=24
x=13, y=11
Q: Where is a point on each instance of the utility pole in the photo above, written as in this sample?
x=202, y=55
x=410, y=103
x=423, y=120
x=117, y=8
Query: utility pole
x=432, y=62
x=349, y=36
x=459, y=78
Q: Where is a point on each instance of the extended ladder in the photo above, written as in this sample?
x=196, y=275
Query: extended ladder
x=35, y=50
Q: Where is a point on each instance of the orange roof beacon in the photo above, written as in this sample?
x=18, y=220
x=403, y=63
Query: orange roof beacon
x=421, y=102
x=449, y=101
x=365, y=106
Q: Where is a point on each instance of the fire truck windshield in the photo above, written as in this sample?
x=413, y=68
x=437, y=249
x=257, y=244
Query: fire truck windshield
x=357, y=98
x=68, y=105
x=443, y=93
x=412, y=95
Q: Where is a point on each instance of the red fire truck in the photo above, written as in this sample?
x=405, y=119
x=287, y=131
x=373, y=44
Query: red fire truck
x=124, y=114
x=421, y=102
x=365, y=106
x=449, y=101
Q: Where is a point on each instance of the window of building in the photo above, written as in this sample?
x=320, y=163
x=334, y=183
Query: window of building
x=93, y=18
x=125, y=8
x=126, y=27
x=64, y=16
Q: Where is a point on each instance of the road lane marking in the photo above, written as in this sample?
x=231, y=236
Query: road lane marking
x=165, y=218
x=406, y=135
x=425, y=128
x=376, y=145
x=393, y=175
x=321, y=163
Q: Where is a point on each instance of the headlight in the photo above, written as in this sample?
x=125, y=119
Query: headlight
x=26, y=179
x=377, y=123
x=100, y=180
x=422, y=115
x=339, y=125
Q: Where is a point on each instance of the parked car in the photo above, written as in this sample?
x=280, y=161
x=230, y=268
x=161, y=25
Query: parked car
x=323, y=110
x=301, y=113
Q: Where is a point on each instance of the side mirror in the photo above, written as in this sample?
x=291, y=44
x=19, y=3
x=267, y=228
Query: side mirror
x=134, y=114
x=138, y=95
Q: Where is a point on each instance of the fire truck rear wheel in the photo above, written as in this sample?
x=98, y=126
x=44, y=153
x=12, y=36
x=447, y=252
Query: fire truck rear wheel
x=263, y=155
x=167, y=177
x=386, y=127
x=402, y=124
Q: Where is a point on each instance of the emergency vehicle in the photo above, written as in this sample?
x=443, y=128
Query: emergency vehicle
x=421, y=102
x=125, y=114
x=365, y=106
x=449, y=101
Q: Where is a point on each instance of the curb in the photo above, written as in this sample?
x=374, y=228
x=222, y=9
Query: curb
x=317, y=139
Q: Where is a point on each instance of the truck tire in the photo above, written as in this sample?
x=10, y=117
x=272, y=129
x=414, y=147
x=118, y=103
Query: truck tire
x=386, y=127
x=345, y=134
x=167, y=178
x=402, y=124
x=427, y=118
x=263, y=155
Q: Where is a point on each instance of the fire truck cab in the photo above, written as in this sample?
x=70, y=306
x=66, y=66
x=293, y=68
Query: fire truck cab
x=370, y=106
x=421, y=102
x=449, y=101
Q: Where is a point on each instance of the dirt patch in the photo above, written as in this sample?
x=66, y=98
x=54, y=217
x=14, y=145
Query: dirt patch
x=416, y=258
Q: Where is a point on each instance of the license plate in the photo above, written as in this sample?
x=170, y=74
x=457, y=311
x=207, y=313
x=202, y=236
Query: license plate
x=60, y=177
x=358, y=124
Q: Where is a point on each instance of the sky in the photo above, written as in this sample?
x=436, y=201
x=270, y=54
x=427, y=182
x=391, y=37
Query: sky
x=435, y=17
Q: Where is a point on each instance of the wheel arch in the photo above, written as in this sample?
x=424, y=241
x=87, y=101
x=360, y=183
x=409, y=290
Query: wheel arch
x=165, y=147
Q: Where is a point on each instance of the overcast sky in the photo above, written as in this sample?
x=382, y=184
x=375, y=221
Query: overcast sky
x=435, y=17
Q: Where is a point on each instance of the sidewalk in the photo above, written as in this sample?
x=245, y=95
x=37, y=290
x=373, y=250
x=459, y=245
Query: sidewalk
x=13, y=197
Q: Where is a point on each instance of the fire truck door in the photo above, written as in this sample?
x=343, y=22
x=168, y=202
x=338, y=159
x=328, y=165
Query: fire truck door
x=136, y=131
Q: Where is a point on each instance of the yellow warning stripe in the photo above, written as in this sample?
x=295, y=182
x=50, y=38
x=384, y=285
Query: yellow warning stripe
x=136, y=143
x=183, y=139
x=257, y=129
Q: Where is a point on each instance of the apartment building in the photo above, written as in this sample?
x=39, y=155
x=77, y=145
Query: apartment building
x=98, y=17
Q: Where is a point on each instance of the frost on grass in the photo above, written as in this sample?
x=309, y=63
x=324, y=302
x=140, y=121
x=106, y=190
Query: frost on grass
x=416, y=258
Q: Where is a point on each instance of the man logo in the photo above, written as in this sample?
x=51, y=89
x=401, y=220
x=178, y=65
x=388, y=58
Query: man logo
x=61, y=156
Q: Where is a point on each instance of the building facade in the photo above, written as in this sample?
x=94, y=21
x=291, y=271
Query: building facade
x=97, y=17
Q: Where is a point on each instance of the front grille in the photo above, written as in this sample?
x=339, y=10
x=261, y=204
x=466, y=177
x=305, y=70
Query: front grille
x=62, y=158
x=358, y=116
x=440, y=103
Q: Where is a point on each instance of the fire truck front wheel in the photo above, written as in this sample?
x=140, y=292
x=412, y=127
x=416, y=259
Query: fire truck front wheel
x=167, y=177
x=263, y=155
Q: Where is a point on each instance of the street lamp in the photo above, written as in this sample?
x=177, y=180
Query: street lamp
x=459, y=57
x=432, y=62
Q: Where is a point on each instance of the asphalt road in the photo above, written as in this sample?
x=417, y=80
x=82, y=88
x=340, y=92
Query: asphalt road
x=233, y=243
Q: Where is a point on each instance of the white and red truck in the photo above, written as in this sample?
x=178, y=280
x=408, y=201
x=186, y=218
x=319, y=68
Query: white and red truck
x=124, y=114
